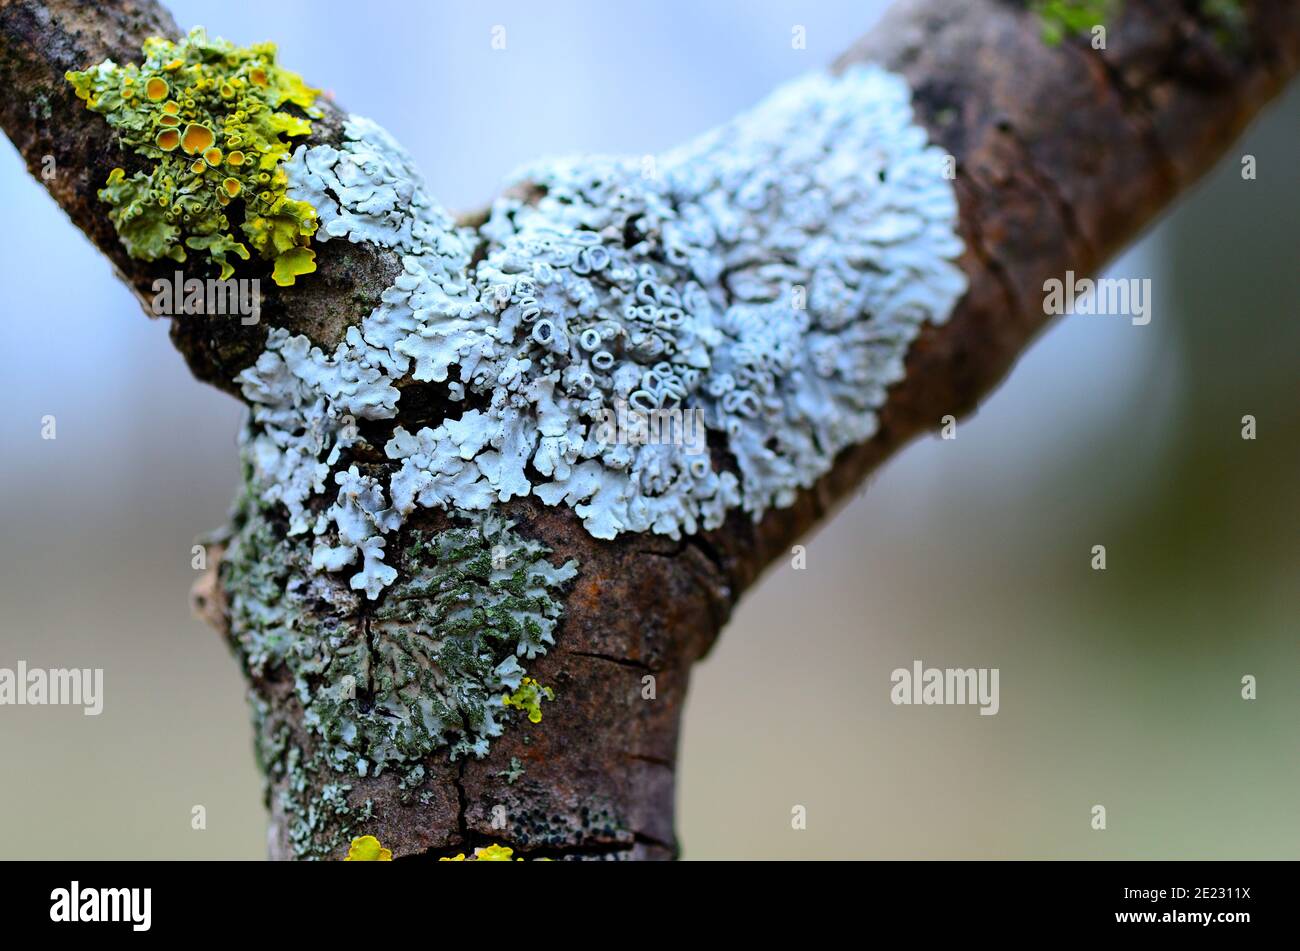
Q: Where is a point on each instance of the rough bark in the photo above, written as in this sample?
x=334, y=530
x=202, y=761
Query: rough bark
x=1063, y=154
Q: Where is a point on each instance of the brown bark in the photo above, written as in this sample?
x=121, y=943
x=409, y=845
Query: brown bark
x=1063, y=153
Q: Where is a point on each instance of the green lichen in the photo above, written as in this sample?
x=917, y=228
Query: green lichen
x=266, y=619
x=443, y=646
x=1062, y=18
x=431, y=670
x=210, y=119
x=528, y=699
x=437, y=664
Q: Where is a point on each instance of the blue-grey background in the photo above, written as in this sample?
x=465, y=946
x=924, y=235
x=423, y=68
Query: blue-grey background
x=1118, y=688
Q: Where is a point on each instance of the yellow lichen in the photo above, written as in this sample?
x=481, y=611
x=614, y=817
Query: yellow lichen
x=197, y=138
x=226, y=99
x=528, y=699
x=366, y=848
x=291, y=263
x=490, y=853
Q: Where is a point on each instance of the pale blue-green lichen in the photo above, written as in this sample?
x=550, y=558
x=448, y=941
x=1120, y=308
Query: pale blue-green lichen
x=770, y=276
x=320, y=816
x=304, y=793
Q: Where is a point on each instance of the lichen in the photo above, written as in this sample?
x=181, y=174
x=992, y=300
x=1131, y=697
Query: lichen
x=528, y=699
x=210, y=119
x=513, y=772
x=490, y=853
x=768, y=277
x=367, y=848
x=316, y=807
x=444, y=645
x=424, y=671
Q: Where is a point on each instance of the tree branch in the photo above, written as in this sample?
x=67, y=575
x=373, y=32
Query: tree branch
x=1063, y=155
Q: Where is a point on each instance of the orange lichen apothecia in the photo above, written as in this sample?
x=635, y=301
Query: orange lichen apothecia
x=206, y=106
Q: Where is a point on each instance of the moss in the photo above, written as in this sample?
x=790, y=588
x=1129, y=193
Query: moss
x=1062, y=18
x=211, y=120
x=1228, y=18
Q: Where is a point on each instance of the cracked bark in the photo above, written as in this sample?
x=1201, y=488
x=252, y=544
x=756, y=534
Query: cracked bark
x=1063, y=154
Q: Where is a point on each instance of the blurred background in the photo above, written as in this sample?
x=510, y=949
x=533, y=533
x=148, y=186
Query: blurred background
x=1118, y=687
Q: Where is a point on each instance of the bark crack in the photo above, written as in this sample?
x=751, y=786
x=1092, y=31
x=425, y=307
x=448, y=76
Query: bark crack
x=620, y=661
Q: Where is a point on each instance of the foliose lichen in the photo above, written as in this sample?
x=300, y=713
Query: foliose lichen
x=211, y=120
x=528, y=698
x=439, y=668
x=367, y=848
x=769, y=277
x=316, y=807
x=441, y=663
x=490, y=853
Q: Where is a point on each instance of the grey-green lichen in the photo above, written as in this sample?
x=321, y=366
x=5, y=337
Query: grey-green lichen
x=439, y=663
x=301, y=790
x=439, y=667
x=512, y=773
x=319, y=816
x=445, y=648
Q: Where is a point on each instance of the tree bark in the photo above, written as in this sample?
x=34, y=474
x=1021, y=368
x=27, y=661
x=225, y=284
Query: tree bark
x=1063, y=154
